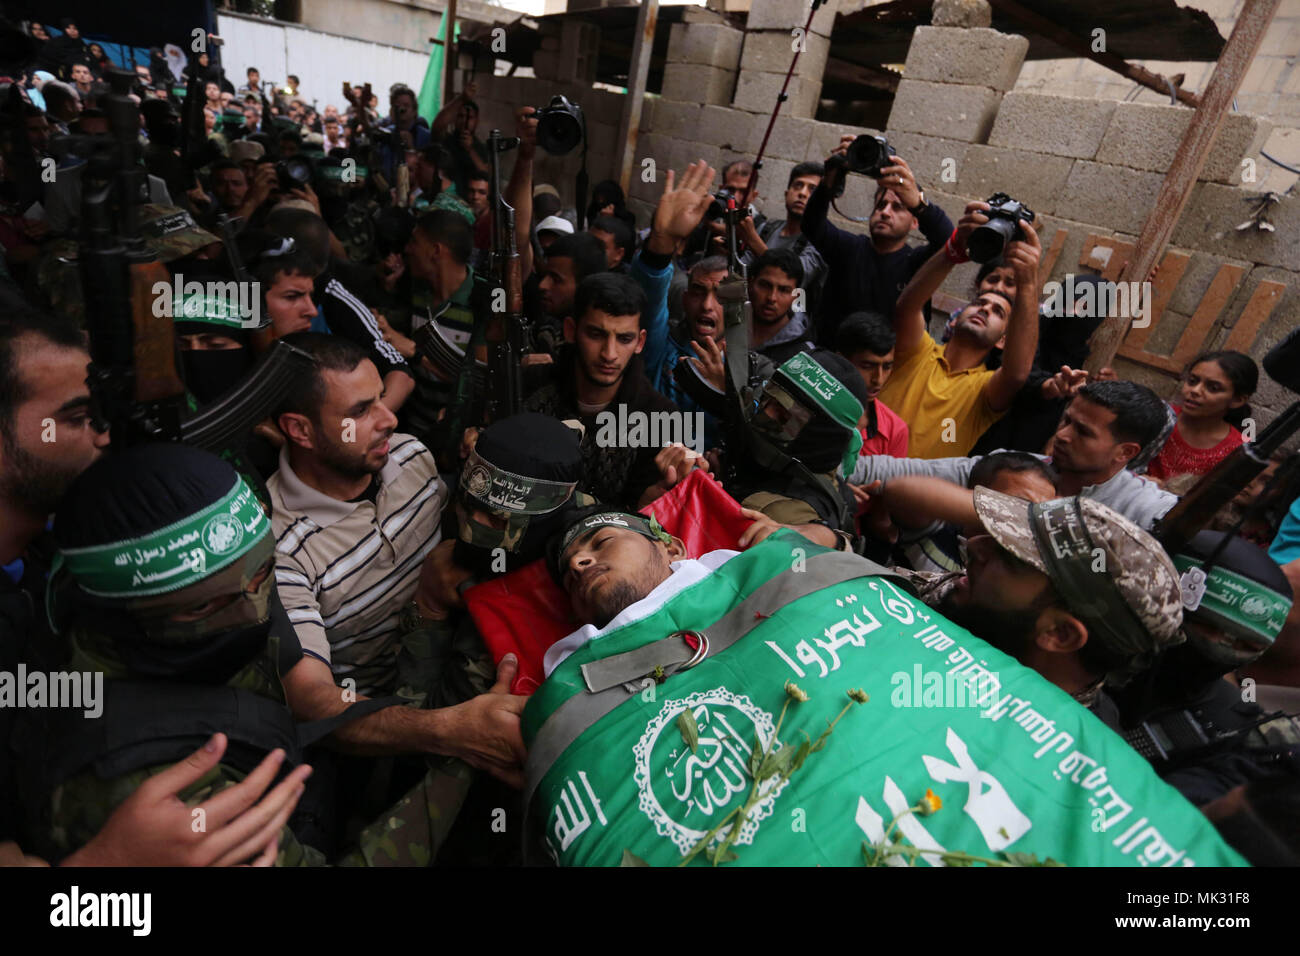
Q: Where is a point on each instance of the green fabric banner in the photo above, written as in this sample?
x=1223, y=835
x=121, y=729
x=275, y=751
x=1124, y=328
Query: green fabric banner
x=430, y=98
x=1017, y=764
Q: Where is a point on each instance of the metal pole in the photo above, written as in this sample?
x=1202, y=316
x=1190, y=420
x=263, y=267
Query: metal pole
x=630, y=125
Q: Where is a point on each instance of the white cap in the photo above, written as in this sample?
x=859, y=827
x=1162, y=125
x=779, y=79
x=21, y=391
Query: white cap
x=555, y=224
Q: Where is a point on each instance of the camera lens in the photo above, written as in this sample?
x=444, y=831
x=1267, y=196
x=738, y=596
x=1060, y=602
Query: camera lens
x=986, y=242
x=558, y=133
x=868, y=155
x=298, y=169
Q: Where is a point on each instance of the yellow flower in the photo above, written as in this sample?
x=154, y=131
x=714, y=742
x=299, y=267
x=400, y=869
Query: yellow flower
x=930, y=803
x=795, y=693
x=859, y=695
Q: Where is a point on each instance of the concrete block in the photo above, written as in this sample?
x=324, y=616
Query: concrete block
x=1114, y=197
x=705, y=44
x=961, y=112
x=546, y=64
x=770, y=51
x=1212, y=214
x=969, y=56
x=826, y=136
x=648, y=105
x=771, y=187
x=602, y=138
x=690, y=150
x=644, y=211
x=1034, y=179
x=788, y=14
x=602, y=107
x=692, y=83
x=928, y=156
x=790, y=136
x=729, y=129
x=673, y=118
x=653, y=146
x=961, y=13
x=1147, y=136
x=1061, y=125
x=757, y=93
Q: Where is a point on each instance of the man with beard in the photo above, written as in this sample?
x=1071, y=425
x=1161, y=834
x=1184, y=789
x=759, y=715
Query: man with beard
x=1106, y=429
x=945, y=393
x=182, y=638
x=869, y=272
x=47, y=437
x=1067, y=587
x=357, y=510
x=708, y=650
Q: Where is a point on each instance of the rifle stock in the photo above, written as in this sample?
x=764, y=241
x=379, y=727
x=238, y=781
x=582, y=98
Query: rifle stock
x=1198, y=506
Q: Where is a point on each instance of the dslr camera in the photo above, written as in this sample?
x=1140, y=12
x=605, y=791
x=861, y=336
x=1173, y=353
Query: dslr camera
x=990, y=240
x=560, y=126
x=294, y=173
x=868, y=155
x=718, y=207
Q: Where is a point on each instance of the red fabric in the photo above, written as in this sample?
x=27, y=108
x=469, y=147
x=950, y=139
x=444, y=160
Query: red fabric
x=525, y=611
x=1179, y=458
x=891, y=434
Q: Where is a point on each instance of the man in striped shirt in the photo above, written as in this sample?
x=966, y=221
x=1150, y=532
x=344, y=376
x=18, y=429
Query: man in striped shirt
x=356, y=512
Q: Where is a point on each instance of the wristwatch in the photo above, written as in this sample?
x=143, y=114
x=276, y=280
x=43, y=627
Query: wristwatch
x=921, y=206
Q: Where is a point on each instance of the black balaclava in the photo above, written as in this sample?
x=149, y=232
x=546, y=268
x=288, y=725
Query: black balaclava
x=152, y=531
x=821, y=443
x=523, y=469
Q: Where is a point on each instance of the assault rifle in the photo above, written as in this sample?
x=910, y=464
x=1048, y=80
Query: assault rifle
x=134, y=386
x=1203, y=500
x=508, y=333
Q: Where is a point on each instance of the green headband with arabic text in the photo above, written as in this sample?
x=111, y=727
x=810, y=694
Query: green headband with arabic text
x=173, y=557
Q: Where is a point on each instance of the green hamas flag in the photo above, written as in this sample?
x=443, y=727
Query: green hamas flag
x=430, y=99
x=1017, y=765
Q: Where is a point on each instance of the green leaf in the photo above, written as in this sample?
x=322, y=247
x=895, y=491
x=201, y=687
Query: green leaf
x=1021, y=859
x=800, y=755
x=690, y=730
x=727, y=854
x=755, y=759
x=631, y=859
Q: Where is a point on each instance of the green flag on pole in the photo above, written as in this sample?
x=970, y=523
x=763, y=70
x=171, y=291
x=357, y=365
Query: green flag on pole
x=430, y=101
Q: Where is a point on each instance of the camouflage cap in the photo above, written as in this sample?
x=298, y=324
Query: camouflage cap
x=171, y=232
x=243, y=150
x=1111, y=574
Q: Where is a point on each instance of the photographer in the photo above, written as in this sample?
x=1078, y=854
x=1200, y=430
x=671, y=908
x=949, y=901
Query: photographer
x=455, y=126
x=868, y=272
x=788, y=233
x=400, y=131
x=945, y=392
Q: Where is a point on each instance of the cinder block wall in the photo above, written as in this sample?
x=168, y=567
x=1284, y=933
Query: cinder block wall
x=1089, y=166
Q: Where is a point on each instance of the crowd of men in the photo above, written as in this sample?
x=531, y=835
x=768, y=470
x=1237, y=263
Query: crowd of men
x=326, y=553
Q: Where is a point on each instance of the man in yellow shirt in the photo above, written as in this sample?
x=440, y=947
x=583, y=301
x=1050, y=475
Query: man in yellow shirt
x=945, y=393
